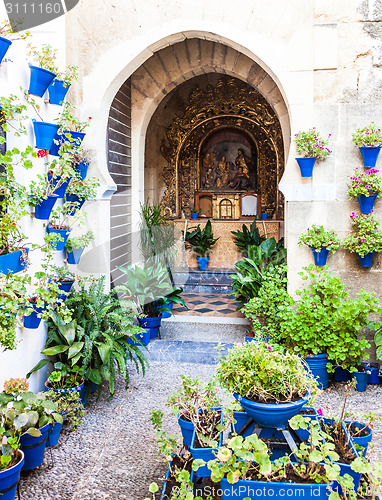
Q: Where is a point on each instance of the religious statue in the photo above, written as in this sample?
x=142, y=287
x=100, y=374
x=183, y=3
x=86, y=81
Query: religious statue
x=241, y=181
x=224, y=169
x=242, y=160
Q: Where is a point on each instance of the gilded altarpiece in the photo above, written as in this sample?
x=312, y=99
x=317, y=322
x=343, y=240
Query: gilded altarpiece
x=230, y=107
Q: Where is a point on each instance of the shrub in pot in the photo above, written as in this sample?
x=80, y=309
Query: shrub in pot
x=366, y=239
x=61, y=84
x=71, y=132
x=79, y=191
x=312, y=147
x=250, y=272
x=200, y=241
x=320, y=242
x=75, y=246
x=44, y=72
x=325, y=321
x=365, y=187
x=369, y=141
x=270, y=383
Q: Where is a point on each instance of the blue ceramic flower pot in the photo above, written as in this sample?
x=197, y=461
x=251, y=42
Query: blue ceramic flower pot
x=205, y=454
x=63, y=233
x=34, y=448
x=318, y=365
x=187, y=429
x=362, y=441
x=143, y=337
x=366, y=260
x=81, y=169
x=9, y=478
x=152, y=323
x=77, y=138
x=12, y=262
x=306, y=166
x=4, y=46
x=57, y=92
x=341, y=375
x=45, y=207
x=61, y=190
x=194, y=216
x=44, y=133
x=64, y=286
x=74, y=255
x=73, y=198
x=264, y=216
x=40, y=80
x=272, y=415
x=244, y=489
x=33, y=321
x=361, y=379
x=369, y=155
x=168, y=314
x=202, y=263
x=54, y=435
x=374, y=372
x=366, y=203
x=320, y=256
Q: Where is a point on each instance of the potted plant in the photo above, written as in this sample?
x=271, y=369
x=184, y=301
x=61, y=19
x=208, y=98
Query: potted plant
x=79, y=191
x=71, y=132
x=12, y=302
x=44, y=73
x=243, y=239
x=361, y=376
x=60, y=172
x=272, y=385
x=145, y=290
x=172, y=298
x=75, y=246
x=325, y=325
x=366, y=239
x=60, y=85
x=369, y=141
x=311, y=146
x=320, y=243
x=195, y=212
x=81, y=159
x=365, y=187
x=7, y=35
x=42, y=197
x=94, y=338
x=201, y=241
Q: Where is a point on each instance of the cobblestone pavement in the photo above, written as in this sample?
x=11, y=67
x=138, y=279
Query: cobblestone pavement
x=114, y=455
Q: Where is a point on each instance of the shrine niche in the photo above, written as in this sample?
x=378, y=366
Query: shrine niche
x=227, y=146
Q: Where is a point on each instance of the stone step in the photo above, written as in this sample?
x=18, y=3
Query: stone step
x=203, y=332
x=213, y=280
x=186, y=351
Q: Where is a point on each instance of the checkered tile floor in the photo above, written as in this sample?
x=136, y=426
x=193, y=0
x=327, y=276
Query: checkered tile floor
x=209, y=304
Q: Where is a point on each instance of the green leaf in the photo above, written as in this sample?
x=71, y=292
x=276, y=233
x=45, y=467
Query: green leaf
x=57, y=349
x=153, y=488
x=32, y=431
x=75, y=348
x=104, y=352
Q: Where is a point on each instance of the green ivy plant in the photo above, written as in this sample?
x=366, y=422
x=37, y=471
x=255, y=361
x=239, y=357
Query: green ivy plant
x=325, y=320
x=12, y=303
x=317, y=237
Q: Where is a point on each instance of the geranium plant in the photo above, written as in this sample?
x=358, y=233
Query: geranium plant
x=317, y=237
x=325, y=320
x=310, y=144
x=365, y=183
x=68, y=121
x=265, y=373
x=45, y=57
x=367, y=237
x=11, y=33
x=68, y=76
x=85, y=189
x=368, y=136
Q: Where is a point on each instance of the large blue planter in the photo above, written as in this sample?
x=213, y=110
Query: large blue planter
x=272, y=415
x=73, y=198
x=202, y=263
x=4, y=46
x=74, y=255
x=341, y=375
x=361, y=379
x=369, y=155
x=152, y=323
x=64, y=234
x=9, y=479
x=187, y=429
x=320, y=256
x=12, y=262
x=44, y=133
x=366, y=260
x=318, y=365
x=366, y=203
x=77, y=138
x=306, y=166
x=40, y=80
x=34, y=448
x=143, y=337
x=44, y=208
x=247, y=489
x=32, y=321
x=57, y=92
x=362, y=441
x=374, y=372
x=205, y=454
x=60, y=191
x=81, y=169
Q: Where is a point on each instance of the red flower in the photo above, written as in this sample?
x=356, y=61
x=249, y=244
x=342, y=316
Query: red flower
x=41, y=153
x=90, y=117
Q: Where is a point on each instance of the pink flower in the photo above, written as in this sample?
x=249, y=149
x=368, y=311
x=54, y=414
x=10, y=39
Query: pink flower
x=320, y=412
x=371, y=211
x=270, y=348
x=363, y=239
x=368, y=186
